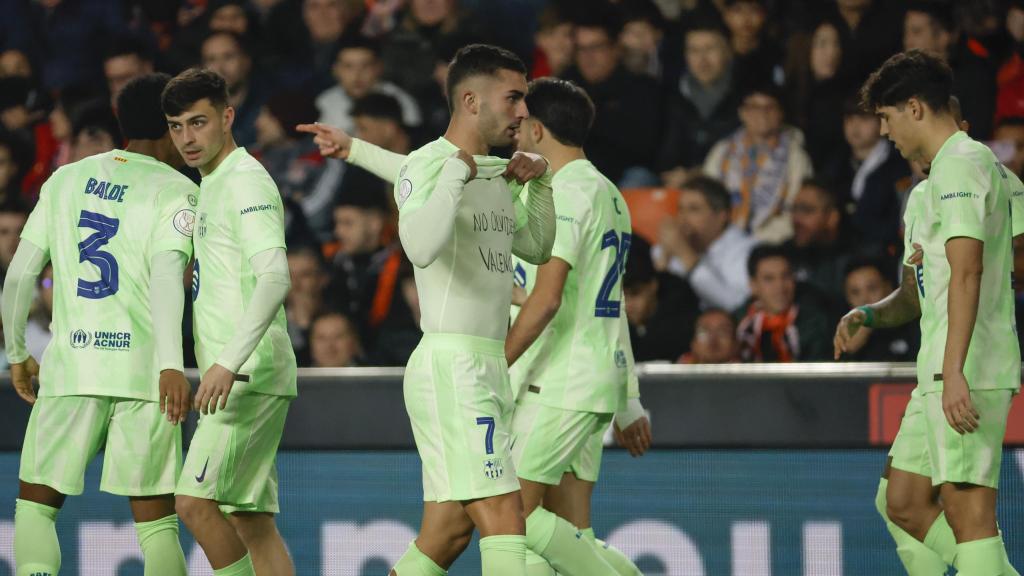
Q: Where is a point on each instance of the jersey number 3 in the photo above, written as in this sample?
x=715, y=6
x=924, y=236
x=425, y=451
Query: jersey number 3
x=605, y=306
x=89, y=251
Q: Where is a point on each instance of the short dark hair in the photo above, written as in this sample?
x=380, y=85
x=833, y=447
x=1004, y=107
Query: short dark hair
x=21, y=150
x=939, y=11
x=862, y=261
x=96, y=116
x=1010, y=120
x=826, y=191
x=911, y=74
x=479, y=60
x=359, y=42
x=138, y=108
x=128, y=45
x=639, y=265
x=707, y=23
x=378, y=105
x=764, y=252
x=713, y=191
x=563, y=108
x=600, y=16
x=190, y=87
x=243, y=44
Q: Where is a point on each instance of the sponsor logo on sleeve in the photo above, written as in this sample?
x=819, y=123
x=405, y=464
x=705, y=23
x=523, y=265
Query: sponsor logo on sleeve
x=955, y=195
x=404, y=191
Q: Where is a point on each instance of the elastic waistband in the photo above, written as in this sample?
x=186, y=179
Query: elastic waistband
x=465, y=342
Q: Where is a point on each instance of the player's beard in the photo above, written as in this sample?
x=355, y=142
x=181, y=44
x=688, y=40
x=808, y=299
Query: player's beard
x=494, y=130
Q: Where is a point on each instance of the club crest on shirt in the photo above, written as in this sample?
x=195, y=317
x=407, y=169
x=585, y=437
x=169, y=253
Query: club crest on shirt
x=404, y=191
x=184, y=222
x=493, y=468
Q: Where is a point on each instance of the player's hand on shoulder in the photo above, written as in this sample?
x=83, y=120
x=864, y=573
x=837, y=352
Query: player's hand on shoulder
x=524, y=167
x=175, y=396
x=22, y=374
x=467, y=159
x=333, y=142
x=214, y=389
x=844, y=341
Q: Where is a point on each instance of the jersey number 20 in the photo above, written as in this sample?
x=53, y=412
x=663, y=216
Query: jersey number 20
x=89, y=250
x=605, y=306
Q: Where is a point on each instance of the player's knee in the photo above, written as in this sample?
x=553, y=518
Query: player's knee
x=191, y=510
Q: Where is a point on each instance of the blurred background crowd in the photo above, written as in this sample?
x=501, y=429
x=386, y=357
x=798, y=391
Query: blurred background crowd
x=765, y=202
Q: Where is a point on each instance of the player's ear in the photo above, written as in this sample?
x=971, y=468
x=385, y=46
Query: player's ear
x=916, y=110
x=228, y=117
x=471, y=101
x=537, y=131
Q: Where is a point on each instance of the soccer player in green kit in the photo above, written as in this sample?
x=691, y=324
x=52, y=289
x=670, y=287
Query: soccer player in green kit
x=117, y=229
x=568, y=347
x=969, y=363
x=240, y=280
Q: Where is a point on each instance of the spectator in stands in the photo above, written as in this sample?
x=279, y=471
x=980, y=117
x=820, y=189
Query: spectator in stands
x=820, y=248
x=378, y=120
x=702, y=246
x=94, y=130
x=714, y=340
x=758, y=58
x=869, y=178
x=866, y=283
x=327, y=21
x=69, y=101
x=227, y=54
x=627, y=125
x=126, y=58
x=1010, y=77
x=553, y=43
x=334, y=342
x=1010, y=132
x=643, y=28
x=424, y=31
x=357, y=70
x=660, y=308
x=13, y=216
x=62, y=35
x=307, y=181
x=15, y=63
x=818, y=93
x=15, y=161
x=781, y=324
x=19, y=105
x=305, y=300
x=762, y=165
x=365, y=271
x=702, y=108
x=930, y=25
x=869, y=31
x=229, y=16
x=37, y=331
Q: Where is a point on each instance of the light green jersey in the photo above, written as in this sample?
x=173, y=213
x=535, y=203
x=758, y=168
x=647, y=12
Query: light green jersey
x=969, y=195
x=101, y=220
x=911, y=232
x=579, y=361
x=240, y=215
x=468, y=288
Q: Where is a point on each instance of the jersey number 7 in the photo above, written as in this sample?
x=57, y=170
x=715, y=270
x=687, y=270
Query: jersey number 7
x=89, y=250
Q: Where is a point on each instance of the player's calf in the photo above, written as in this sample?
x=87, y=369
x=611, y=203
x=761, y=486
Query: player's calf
x=259, y=534
x=217, y=537
x=971, y=511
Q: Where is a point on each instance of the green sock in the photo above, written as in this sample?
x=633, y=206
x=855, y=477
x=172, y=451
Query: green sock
x=984, y=557
x=918, y=559
x=416, y=563
x=563, y=546
x=1008, y=569
x=612, y=555
x=161, y=547
x=503, y=555
x=940, y=539
x=537, y=565
x=36, y=549
x=241, y=568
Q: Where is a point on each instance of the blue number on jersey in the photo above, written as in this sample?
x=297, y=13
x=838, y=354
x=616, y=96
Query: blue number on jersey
x=489, y=436
x=89, y=250
x=606, y=306
x=195, y=279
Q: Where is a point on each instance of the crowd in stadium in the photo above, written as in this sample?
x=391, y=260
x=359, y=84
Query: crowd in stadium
x=765, y=201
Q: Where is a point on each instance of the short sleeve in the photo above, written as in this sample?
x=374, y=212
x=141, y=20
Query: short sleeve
x=37, y=227
x=259, y=213
x=572, y=220
x=175, y=220
x=960, y=191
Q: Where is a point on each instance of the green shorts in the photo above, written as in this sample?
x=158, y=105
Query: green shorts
x=909, y=450
x=972, y=458
x=233, y=455
x=459, y=401
x=142, y=450
x=549, y=441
